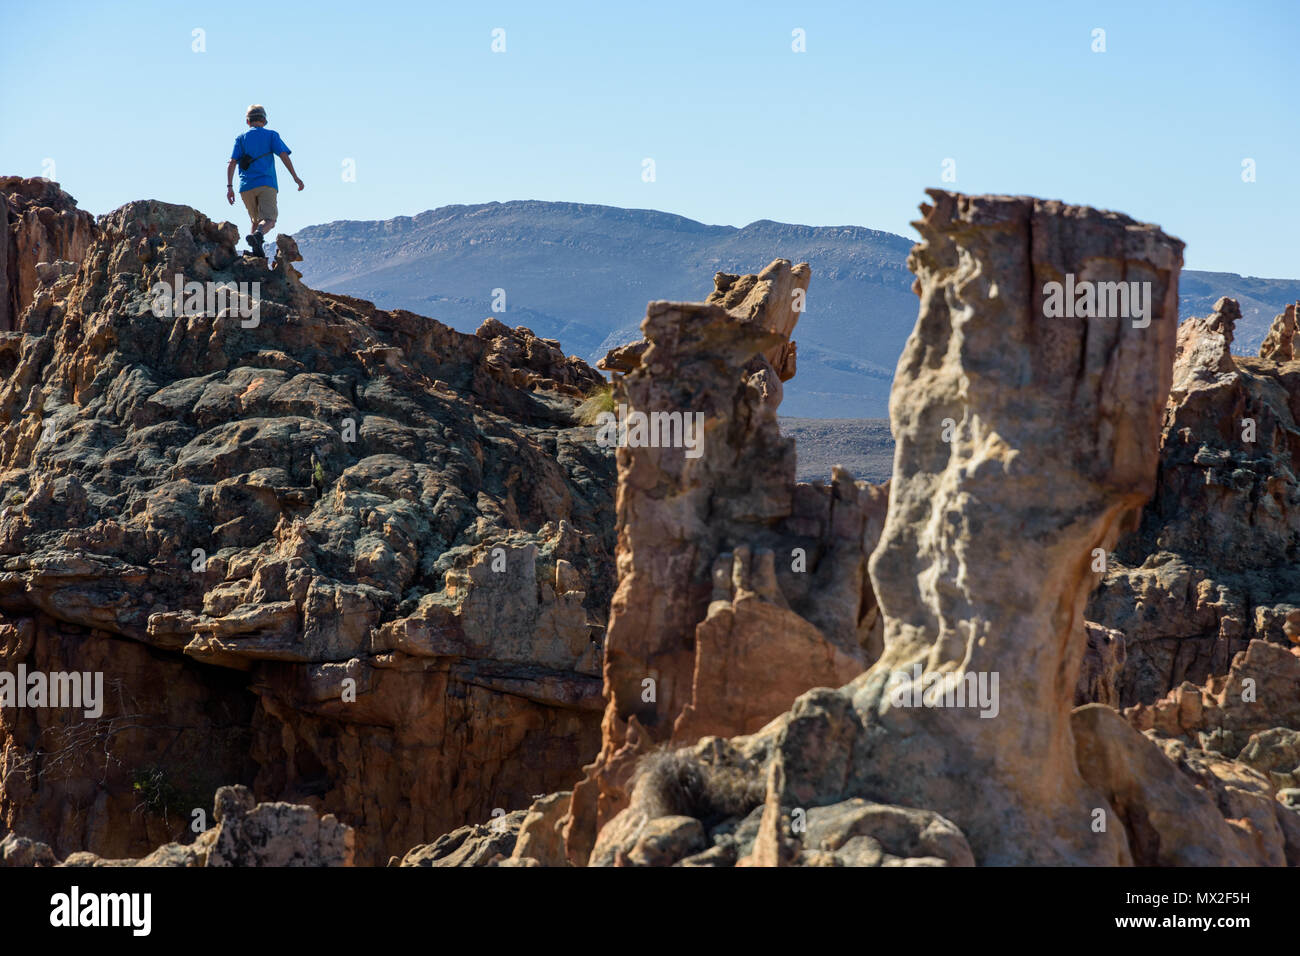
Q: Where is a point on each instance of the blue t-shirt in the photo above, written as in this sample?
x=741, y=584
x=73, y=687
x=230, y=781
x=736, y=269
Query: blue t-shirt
x=255, y=142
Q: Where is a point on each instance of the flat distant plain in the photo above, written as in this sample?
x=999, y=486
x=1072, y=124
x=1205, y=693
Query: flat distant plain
x=862, y=445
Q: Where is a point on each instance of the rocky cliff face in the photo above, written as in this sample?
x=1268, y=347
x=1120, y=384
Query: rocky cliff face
x=350, y=558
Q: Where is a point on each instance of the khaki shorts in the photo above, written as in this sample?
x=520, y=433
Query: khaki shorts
x=260, y=202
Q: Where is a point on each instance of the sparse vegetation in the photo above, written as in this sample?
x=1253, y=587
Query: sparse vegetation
x=673, y=782
x=172, y=788
x=155, y=792
x=598, y=400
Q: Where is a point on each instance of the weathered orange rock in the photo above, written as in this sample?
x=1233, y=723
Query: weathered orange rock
x=243, y=833
x=1025, y=443
x=738, y=589
x=1279, y=344
x=43, y=232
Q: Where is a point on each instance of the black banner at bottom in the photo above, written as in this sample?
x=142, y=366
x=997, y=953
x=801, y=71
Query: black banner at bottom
x=139, y=906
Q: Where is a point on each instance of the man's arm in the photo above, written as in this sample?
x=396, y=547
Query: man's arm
x=230, y=190
x=288, y=164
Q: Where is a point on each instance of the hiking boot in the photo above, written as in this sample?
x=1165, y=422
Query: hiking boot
x=255, y=243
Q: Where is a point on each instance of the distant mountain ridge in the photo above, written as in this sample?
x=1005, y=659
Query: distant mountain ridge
x=583, y=273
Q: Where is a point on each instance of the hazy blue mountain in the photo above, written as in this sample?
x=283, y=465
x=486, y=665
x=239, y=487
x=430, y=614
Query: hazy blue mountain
x=1261, y=300
x=583, y=274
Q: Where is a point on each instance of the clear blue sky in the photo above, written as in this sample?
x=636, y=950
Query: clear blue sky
x=740, y=127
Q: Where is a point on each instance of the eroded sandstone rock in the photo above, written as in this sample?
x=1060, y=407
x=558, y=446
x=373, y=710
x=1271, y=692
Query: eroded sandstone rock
x=1211, y=566
x=275, y=834
x=244, y=833
x=350, y=558
x=1103, y=666
x=17, y=850
x=983, y=565
x=541, y=834
x=1258, y=693
x=1167, y=819
x=738, y=589
x=1024, y=444
x=474, y=845
x=44, y=237
x=1279, y=344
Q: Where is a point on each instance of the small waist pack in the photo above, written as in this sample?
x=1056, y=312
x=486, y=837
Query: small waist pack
x=245, y=161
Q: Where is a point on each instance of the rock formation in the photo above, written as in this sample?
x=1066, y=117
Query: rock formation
x=1104, y=657
x=349, y=558
x=1212, y=565
x=521, y=838
x=360, y=564
x=1279, y=343
x=1202, y=597
x=738, y=588
x=1239, y=737
x=44, y=235
x=1025, y=444
x=245, y=833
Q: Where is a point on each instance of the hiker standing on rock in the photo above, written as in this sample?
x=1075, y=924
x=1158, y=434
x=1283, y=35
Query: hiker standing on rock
x=255, y=153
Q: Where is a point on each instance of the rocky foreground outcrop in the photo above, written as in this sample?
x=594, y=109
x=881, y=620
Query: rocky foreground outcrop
x=350, y=558
x=244, y=833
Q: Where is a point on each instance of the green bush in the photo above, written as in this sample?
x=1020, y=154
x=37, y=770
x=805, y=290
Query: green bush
x=158, y=794
x=153, y=789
